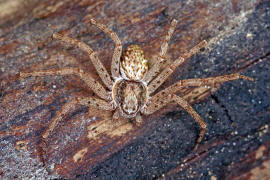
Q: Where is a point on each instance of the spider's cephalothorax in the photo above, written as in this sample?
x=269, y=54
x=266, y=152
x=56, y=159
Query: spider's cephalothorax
x=130, y=85
x=130, y=96
x=129, y=92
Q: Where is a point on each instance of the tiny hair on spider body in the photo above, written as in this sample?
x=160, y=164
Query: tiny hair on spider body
x=130, y=90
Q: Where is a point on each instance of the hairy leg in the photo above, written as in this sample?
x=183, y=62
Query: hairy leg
x=164, y=75
x=86, y=77
x=184, y=104
x=87, y=101
x=102, y=72
x=96, y=103
x=117, y=50
x=164, y=47
x=157, y=104
x=59, y=116
x=170, y=68
x=212, y=82
x=195, y=49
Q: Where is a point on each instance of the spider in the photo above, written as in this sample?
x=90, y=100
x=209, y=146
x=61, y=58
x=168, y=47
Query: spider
x=130, y=88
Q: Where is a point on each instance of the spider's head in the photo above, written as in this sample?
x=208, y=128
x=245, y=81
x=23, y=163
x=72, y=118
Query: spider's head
x=130, y=96
x=134, y=65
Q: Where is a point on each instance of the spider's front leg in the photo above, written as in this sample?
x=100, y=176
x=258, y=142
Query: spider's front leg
x=159, y=102
x=53, y=124
x=166, y=96
x=87, y=101
x=184, y=104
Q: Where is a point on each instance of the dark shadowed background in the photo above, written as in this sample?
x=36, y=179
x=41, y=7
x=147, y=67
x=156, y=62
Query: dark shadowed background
x=88, y=145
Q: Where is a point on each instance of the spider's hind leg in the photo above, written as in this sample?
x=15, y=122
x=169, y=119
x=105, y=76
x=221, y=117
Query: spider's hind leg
x=101, y=70
x=159, y=80
x=117, y=49
x=161, y=57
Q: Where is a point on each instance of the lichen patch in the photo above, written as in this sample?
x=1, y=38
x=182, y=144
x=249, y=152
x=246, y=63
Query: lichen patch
x=109, y=128
x=79, y=155
x=21, y=145
x=98, y=128
x=121, y=130
x=262, y=172
x=259, y=152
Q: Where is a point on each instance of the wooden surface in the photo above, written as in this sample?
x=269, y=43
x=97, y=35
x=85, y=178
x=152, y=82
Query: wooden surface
x=87, y=145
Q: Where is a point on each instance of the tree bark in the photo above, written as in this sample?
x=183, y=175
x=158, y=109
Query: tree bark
x=87, y=144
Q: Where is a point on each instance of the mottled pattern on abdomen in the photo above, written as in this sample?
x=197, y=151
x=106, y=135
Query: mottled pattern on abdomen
x=133, y=63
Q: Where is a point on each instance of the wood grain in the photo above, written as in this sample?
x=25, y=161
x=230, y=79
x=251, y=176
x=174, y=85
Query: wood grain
x=88, y=144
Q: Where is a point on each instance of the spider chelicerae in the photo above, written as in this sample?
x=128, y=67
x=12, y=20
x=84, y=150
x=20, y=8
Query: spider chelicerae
x=130, y=88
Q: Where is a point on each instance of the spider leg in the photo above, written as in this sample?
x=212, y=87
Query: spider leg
x=87, y=101
x=196, y=82
x=102, y=72
x=96, y=103
x=170, y=68
x=158, y=103
x=184, y=104
x=86, y=77
x=59, y=115
x=164, y=75
x=166, y=96
x=117, y=50
x=195, y=49
x=164, y=47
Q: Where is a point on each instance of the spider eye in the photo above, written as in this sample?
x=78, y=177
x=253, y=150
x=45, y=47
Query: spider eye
x=134, y=65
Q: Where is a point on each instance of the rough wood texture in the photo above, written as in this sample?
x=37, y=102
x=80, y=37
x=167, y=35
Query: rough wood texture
x=87, y=144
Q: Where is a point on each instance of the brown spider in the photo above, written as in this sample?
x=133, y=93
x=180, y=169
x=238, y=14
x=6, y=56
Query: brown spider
x=129, y=91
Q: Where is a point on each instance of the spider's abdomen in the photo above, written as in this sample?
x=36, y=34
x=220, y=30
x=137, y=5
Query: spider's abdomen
x=134, y=65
